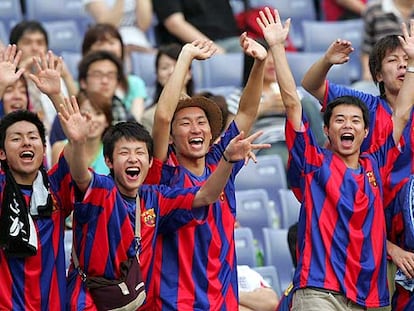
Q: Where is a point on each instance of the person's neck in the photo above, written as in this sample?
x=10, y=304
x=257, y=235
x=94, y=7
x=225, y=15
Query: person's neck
x=391, y=99
x=194, y=165
x=351, y=161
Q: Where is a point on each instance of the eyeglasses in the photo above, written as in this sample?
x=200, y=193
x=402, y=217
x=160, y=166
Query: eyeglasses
x=99, y=75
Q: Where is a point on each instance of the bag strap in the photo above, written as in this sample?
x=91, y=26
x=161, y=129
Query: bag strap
x=137, y=236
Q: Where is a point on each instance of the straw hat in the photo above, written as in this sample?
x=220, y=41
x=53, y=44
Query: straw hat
x=210, y=108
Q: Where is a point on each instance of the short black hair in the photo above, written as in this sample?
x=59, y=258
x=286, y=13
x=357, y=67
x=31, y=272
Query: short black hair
x=19, y=30
x=346, y=100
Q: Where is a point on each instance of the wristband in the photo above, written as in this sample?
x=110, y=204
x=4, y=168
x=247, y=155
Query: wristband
x=227, y=160
x=410, y=69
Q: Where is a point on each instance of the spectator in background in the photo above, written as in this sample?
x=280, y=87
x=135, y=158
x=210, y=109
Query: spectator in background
x=99, y=72
x=335, y=10
x=13, y=86
x=254, y=292
x=132, y=17
x=382, y=18
x=271, y=105
x=132, y=91
x=31, y=38
x=184, y=21
x=165, y=61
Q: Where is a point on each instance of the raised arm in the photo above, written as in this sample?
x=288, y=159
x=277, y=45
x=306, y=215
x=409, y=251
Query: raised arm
x=103, y=13
x=275, y=35
x=76, y=128
x=405, y=97
x=238, y=148
x=252, y=92
x=314, y=79
x=9, y=60
x=171, y=92
x=48, y=70
x=143, y=12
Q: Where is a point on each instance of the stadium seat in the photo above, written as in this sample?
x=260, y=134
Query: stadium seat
x=143, y=65
x=10, y=14
x=4, y=34
x=268, y=173
x=300, y=62
x=222, y=70
x=351, y=30
x=64, y=35
x=297, y=10
x=276, y=253
x=245, y=248
x=56, y=10
x=72, y=60
x=290, y=206
x=253, y=211
x=271, y=276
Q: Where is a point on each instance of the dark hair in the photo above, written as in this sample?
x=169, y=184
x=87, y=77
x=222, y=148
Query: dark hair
x=95, y=56
x=100, y=33
x=130, y=130
x=98, y=102
x=379, y=51
x=171, y=50
x=20, y=29
x=17, y=116
x=346, y=100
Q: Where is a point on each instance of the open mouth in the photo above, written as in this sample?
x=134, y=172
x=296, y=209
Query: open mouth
x=27, y=155
x=196, y=141
x=133, y=172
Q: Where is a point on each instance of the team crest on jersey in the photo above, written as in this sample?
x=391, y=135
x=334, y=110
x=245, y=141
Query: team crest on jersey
x=371, y=178
x=149, y=217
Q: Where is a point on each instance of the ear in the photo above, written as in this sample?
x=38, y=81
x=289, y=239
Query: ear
x=109, y=163
x=170, y=140
x=325, y=130
x=82, y=84
x=366, y=133
x=3, y=156
x=379, y=77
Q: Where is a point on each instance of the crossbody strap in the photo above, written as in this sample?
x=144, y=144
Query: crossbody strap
x=137, y=236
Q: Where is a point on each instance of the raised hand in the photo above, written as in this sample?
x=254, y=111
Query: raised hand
x=252, y=48
x=47, y=74
x=200, y=49
x=273, y=30
x=75, y=125
x=338, y=52
x=407, y=39
x=9, y=60
x=240, y=148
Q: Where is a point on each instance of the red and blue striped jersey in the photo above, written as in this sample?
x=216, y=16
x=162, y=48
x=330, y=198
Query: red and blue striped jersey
x=195, y=267
x=39, y=282
x=104, y=222
x=380, y=113
x=341, y=232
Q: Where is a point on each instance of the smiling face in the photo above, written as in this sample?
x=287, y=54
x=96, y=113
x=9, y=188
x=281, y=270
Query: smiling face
x=191, y=133
x=393, y=68
x=23, y=151
x=346, y=130
x=102, y=77
x=15, y=97
x=130, y=165
x=98, y=119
